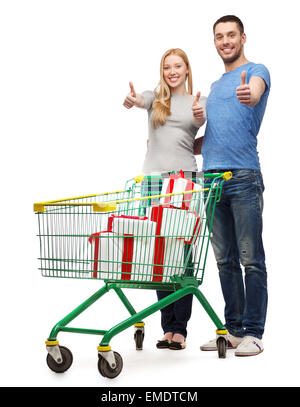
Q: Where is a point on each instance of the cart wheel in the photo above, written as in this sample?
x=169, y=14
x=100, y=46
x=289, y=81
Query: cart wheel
x=106, y=371
x=139, y=339
x=221, y=344
x=67, y=360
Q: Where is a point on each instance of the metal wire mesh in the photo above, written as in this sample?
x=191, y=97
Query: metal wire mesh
x=149, y=237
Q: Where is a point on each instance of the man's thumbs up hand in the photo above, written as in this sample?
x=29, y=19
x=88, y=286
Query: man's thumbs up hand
x=243, y=78
x=243, y=91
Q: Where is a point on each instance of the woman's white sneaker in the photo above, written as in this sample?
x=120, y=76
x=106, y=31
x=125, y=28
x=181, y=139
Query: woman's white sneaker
x=250, y=346
x=232, y=343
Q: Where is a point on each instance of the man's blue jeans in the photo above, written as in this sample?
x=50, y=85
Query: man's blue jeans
x=236, y=241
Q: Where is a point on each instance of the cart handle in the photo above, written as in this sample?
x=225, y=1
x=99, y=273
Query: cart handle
x=225, y=175
x=107, y=206
x=112, y=206
x=40, y=206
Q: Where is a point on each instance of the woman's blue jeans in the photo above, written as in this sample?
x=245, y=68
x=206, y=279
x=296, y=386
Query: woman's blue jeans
x=174, y=317
x=237, y=240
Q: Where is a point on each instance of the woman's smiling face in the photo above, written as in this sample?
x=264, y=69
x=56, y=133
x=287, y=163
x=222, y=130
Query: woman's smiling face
x=175, y=72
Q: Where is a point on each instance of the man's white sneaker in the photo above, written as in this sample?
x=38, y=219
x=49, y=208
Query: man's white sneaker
x=250, y=346
x=232, y=343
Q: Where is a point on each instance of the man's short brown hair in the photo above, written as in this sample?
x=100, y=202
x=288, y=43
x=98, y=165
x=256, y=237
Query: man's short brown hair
x=230, y=18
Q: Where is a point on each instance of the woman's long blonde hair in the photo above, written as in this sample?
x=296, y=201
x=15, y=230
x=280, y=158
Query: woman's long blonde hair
x=162, y=102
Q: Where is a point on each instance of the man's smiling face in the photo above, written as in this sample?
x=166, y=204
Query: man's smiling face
x=229, y=41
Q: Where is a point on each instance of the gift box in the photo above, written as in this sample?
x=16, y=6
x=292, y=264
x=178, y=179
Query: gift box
x=107, y=254
x=138, y=249
x=139, y=226
x=174, y=232
x=168, y=258
x=125, y=251
x=176, y=223
x=177, y=183
x=122, y=258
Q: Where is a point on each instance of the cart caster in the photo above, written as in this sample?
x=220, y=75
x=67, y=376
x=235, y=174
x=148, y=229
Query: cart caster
x=59, y=358
x=139, y=335
x=221, y=345
x=105, y=368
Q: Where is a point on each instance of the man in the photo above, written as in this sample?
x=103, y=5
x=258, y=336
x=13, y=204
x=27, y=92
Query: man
x=235, y=109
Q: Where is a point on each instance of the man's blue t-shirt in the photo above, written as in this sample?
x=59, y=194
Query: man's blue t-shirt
x=230, y=139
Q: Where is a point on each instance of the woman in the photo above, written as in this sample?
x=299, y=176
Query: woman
x=175, y=116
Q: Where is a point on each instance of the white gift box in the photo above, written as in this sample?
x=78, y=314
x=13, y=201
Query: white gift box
x=139, y=226
x=176, y=183
x=140, y=250
x=107, y=254
x=146, y=255
x=122, y=258
x=142, y=259
x=175, y=229
x=173, y=222
x=135, y=238
x=169, y=259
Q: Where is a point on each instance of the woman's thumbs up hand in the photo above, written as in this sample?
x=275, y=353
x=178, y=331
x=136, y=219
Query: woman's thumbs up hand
x=198, y=111
x=130, y=99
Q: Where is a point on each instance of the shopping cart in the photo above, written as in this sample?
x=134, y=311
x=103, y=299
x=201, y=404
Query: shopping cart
x=154, y=234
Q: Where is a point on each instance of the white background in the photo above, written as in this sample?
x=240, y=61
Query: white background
x=64, y=72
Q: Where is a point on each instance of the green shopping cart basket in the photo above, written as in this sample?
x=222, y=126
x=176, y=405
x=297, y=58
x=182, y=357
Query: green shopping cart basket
x=154, y=234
